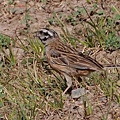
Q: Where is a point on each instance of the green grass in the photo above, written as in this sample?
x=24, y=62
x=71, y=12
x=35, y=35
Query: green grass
x=26, y=85
x=100, y=30
x=29, y=87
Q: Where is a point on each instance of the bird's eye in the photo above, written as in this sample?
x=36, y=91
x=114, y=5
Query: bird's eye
x=45, y=33
x=45, y=38
x=41, y=32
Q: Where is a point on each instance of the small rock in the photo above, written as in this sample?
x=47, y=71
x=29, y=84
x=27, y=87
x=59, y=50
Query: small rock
x=76, y=93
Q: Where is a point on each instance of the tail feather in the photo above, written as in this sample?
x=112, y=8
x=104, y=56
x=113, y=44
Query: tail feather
x=111, y=66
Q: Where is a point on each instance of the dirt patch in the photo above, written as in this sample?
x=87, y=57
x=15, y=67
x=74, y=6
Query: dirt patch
x=17, y=17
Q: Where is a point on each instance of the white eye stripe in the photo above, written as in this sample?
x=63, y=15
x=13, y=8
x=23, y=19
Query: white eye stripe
x=44, y=38
x=46, y=31
x=47, y=36
x=51, y=34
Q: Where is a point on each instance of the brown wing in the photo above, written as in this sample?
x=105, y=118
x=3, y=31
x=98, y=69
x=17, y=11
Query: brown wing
x=72, y=62
x=84, y=62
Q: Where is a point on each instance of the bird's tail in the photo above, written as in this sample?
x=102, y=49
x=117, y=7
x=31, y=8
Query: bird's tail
x=111, y=66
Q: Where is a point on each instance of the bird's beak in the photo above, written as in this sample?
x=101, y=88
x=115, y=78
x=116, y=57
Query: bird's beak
x=35, y=34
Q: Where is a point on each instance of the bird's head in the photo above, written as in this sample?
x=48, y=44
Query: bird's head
x=46, y=35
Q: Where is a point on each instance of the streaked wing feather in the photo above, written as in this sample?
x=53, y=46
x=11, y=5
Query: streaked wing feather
x=76, y=61
x=57, y=58
x=83, y=63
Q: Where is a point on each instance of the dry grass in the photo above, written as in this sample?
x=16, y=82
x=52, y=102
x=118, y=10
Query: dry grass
x=31, y=90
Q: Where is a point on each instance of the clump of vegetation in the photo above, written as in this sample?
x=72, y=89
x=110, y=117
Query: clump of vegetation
x=30, y=89
x=99, y=29
x=7, y=55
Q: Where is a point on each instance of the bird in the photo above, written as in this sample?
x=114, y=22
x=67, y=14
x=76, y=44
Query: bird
x=64, y=58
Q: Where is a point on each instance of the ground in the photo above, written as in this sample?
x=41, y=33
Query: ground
x=29, y=89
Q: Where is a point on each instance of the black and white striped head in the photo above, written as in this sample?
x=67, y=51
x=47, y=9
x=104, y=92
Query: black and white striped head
x=46, y=35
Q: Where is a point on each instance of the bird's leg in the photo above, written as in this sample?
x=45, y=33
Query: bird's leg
x=78, y=81
x=69, y=83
